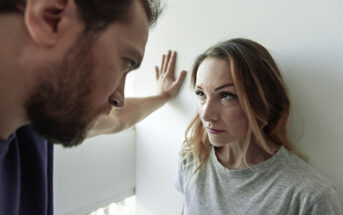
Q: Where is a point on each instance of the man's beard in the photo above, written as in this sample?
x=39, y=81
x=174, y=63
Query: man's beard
x=62, y=107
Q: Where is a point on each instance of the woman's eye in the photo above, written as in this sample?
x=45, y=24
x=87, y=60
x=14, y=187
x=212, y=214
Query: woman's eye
x=227, y=96
x=200, y=94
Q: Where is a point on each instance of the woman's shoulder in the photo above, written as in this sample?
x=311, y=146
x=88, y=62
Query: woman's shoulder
x=302, y=175
x=187, y=161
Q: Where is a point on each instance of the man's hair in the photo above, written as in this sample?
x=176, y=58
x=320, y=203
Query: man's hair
x=97, y=14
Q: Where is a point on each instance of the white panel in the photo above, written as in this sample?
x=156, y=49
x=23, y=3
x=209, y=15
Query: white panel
x=305, y=37
x=98, y=172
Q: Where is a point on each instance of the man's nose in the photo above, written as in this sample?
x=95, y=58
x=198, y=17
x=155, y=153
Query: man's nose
x=117, y=98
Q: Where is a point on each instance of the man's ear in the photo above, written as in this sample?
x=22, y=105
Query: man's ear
x=42, y=20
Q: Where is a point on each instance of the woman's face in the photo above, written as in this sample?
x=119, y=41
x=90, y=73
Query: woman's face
x=219, y=108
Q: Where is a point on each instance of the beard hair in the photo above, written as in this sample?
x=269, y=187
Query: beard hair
x=60, y=108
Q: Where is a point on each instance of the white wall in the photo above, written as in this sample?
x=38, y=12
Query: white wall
x=304, y=36
x=94, y=174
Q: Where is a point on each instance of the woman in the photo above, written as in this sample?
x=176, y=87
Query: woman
x=239, y=158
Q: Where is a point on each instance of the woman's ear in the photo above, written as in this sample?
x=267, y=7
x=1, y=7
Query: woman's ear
x=43, y=18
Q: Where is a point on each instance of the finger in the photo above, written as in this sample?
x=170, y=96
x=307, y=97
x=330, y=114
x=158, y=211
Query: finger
x=181, y=78
x=163, y=63
x=157, y=72
x=171, y=66
x=166, y=63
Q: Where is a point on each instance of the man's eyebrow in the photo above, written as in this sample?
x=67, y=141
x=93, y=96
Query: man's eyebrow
x=221, y=87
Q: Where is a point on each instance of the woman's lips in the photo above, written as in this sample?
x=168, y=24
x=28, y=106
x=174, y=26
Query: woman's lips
x=214, y=131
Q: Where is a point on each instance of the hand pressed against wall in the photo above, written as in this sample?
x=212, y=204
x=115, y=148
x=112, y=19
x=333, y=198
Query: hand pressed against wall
x=165, y=76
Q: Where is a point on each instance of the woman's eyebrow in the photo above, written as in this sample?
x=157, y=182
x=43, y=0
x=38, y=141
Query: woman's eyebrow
x=218, y=88
x=223, y=86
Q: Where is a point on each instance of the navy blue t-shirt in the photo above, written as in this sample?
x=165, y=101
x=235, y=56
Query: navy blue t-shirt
x=26, y=173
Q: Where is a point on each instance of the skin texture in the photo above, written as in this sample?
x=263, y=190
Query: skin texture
x=221, y=114
x=61, y=80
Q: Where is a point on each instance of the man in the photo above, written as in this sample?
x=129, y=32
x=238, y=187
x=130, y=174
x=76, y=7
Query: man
x=63, y=65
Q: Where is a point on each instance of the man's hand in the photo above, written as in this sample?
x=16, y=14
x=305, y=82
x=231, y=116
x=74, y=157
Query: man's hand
x=165, y=76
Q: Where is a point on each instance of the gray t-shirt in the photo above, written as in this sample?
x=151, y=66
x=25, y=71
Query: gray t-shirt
x=283, y=184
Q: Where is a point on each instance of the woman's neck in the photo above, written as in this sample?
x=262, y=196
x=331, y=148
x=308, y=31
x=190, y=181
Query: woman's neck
x=232, y=155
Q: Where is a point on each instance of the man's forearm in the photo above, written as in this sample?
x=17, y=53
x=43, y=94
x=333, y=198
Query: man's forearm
x=136, y=109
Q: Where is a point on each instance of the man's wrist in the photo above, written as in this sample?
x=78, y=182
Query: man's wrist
x=165, y=96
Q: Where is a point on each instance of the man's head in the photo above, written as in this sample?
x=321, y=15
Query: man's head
x=96, y=14
x=79, y=53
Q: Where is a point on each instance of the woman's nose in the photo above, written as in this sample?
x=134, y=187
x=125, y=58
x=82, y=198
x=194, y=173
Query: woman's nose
x=209, y=113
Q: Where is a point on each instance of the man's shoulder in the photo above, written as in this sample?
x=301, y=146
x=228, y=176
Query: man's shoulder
x=29, y=133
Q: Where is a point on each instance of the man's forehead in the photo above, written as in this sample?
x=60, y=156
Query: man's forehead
x=138, y=29
x=134, y=43
x=130, y=36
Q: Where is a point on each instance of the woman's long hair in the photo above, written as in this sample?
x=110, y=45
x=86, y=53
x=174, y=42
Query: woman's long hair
x=262, y=94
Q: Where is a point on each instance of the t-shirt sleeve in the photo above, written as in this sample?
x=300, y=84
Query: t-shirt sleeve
x=328, y=204
x=179, y=178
